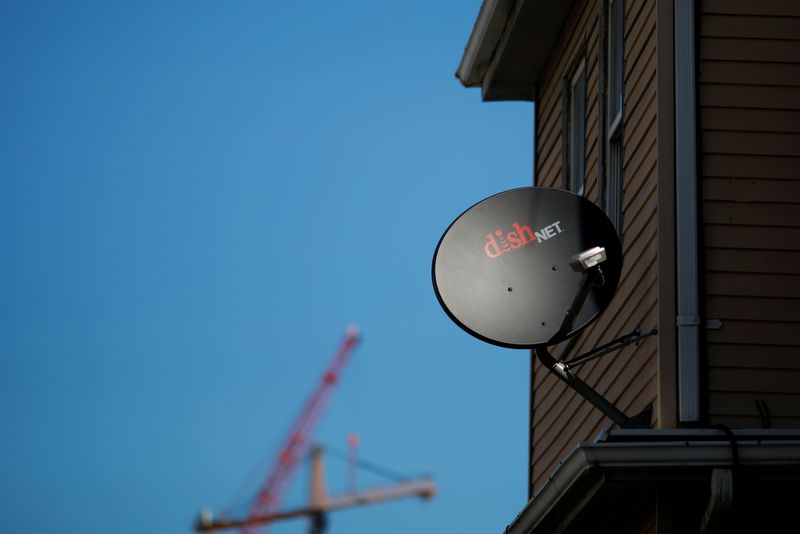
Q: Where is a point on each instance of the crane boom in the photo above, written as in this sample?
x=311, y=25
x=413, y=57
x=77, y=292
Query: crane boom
x=321, y=503
x=296, y=443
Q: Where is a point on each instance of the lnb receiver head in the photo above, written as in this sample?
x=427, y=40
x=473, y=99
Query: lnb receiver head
x=583, y=261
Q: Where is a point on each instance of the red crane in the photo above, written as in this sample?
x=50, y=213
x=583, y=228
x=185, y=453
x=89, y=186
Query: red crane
x=296, y=443
x=266, y=507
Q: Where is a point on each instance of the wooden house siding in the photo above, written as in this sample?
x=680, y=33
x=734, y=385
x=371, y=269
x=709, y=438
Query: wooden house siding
x=749, y=107
x=629, y=378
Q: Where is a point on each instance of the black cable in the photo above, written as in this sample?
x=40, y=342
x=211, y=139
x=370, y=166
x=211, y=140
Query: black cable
x=369, y=466
x=763, y=413
x=734, y=444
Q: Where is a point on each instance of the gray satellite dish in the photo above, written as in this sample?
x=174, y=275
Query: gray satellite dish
x=531, y=267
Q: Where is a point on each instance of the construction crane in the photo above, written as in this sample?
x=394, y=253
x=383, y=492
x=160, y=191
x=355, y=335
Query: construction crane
x=320, y=503
x=265, y=508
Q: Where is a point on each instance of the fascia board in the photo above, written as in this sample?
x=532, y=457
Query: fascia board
x=589, y=458
x=483, y=41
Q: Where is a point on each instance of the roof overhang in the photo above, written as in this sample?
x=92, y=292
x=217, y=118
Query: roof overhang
x=509, y=46
x=625, y=463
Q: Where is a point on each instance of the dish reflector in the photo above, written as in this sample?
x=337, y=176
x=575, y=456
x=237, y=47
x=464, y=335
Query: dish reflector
x=509, y=268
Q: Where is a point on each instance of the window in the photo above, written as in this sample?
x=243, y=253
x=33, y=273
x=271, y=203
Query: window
x=616, y=45
x=576, y=125
x=615, y=50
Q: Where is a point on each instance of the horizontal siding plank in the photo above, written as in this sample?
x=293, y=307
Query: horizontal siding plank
x=640, y=37
x=640, y=88
x=749, y=356
x=749, y=237
x=563, y=431
x=778, y=8
x=592, y=191
x=547, y=106
x=635, y=401
x=752, y=285
x=751, y=213
x=755, y=332
x=591, y=138
x=751, y=120
x=753, y=309
x=550, y=171
x=744, y=403
x=738, y=166
x=639, y=252
x=634, y=11
x=641, y=150
x=767, y=50
x=743, y=26
x=644, y=115
x=637, y=192
x=549, y=137
x=749, y=73
x=749, y=96
x=761, y=190
x=755, y=380
x=757, y=143
x=626, y=377
x=551, y=116
x=752, y=261
x=754, y=422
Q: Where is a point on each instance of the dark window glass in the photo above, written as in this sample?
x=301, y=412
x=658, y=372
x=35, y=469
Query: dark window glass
x=616, y=47
x=577, y=133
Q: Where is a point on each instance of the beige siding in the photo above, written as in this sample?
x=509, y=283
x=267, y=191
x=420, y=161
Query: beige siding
x=628, y=378
x=749, y=99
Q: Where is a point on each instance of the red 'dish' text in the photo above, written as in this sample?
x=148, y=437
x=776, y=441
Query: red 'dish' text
x=499, y=242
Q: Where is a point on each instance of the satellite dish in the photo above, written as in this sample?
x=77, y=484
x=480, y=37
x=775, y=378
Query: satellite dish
x=528, y=267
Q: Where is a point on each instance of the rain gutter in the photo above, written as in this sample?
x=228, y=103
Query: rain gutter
x=653, y=449
x=483, y=41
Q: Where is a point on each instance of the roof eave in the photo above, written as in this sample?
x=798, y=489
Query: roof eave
x=483, y=41
x=574, y=476
x=509, y=46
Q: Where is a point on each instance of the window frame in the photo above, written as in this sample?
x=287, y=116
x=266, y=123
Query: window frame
x=615, y=63
x=574, y=129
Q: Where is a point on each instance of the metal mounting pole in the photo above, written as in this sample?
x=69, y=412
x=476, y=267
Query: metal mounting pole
x=585, y=390
x=588, y=264
x=577, y=303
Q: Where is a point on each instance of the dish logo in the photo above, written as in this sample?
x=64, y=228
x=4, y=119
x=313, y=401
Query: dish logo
x=499, y=242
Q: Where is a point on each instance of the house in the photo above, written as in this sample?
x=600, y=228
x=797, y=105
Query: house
x=681, y=120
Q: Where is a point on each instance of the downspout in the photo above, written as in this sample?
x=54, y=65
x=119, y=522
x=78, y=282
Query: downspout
x=688, y=313
x=719, y=504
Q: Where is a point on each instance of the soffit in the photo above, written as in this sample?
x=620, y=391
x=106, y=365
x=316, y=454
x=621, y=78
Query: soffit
x=509, y=46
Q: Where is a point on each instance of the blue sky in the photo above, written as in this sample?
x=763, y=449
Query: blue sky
x=196, y=198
